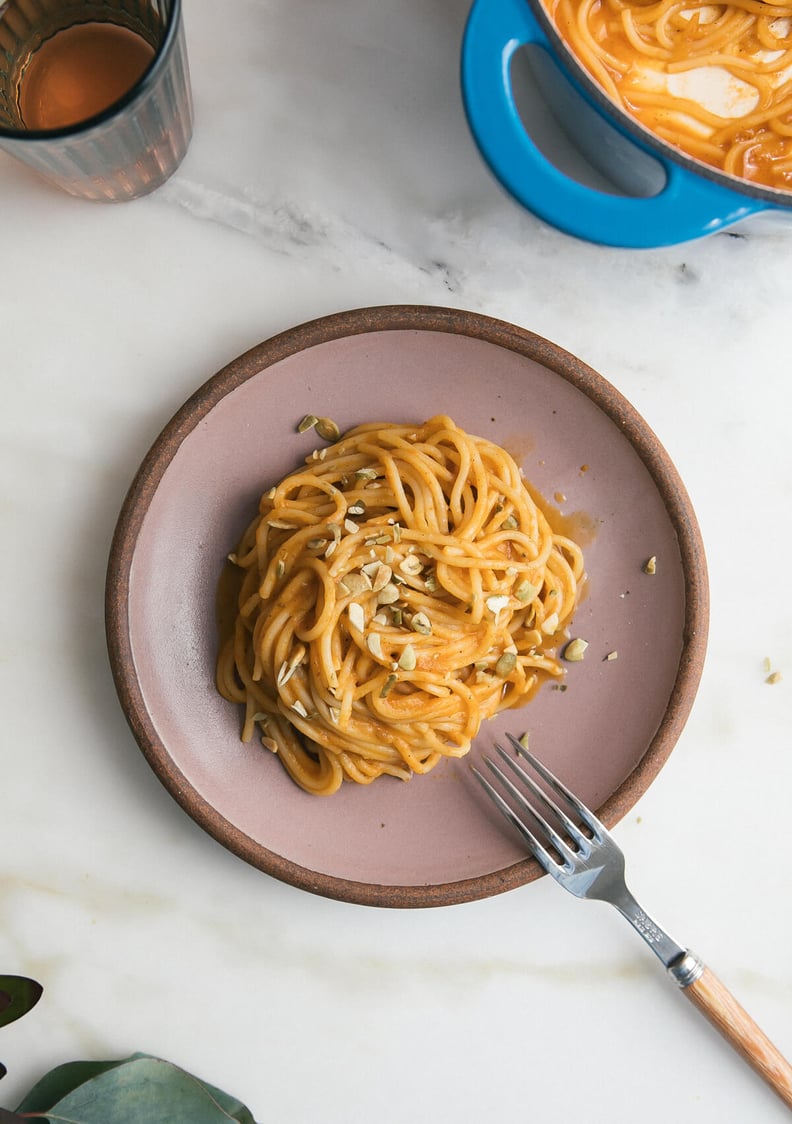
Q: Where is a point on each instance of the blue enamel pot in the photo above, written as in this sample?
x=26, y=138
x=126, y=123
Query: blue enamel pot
x=667, y=197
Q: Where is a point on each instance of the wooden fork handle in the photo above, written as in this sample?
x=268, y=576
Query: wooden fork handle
x=717, y=1003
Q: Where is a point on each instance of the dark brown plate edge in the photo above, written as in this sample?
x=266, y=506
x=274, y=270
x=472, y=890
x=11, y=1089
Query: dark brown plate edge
x=357, y=322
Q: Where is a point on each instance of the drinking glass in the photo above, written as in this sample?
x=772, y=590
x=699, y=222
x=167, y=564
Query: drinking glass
x=95, y=95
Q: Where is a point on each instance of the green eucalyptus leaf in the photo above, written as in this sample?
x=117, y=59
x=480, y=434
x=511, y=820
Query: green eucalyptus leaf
x=18, y=995
x=135, y=1090
x=61, y=1081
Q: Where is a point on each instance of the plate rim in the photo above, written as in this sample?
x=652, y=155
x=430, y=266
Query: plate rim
x=359, y=321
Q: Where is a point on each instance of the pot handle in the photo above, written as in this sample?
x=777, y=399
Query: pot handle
x=688, y=206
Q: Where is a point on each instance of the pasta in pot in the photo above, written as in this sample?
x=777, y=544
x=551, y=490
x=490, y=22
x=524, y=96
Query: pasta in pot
x=397, y=590
x=711, y=79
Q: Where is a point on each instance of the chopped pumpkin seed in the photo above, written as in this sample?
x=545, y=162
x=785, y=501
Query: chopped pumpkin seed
x=575, y=649
x=550, y=624
x=407, y=660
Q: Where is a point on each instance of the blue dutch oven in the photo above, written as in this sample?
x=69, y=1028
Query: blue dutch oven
x=687, y=200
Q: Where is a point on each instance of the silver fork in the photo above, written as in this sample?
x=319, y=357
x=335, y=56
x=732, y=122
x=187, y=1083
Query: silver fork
x=584, y=858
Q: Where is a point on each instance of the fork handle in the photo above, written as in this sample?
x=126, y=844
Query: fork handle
x=706, y=992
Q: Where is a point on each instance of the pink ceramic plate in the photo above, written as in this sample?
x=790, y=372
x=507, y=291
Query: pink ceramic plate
x=433, y=840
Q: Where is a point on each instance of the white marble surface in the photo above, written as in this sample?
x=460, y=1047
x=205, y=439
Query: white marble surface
x=332, y=168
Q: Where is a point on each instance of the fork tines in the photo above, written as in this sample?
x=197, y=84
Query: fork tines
x=544, y=815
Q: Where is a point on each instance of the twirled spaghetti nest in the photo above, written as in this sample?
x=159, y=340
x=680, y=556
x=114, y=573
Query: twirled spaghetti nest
x=399, y=589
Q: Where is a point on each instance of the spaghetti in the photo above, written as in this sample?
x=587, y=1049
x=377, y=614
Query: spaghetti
x=396, y=591
x=711, y=79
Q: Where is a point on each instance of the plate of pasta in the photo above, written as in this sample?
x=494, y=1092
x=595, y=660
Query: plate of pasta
x=365, y=550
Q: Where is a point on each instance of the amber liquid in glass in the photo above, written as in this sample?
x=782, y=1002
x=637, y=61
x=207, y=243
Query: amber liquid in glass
x=79, y=72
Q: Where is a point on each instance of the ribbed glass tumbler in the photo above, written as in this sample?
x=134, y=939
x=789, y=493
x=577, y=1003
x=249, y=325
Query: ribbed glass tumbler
x=95, y=96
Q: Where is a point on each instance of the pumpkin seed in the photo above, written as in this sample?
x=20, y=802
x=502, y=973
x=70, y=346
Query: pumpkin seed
x=575, y=650
x=505, y=665
x=327, y=429
x=357, y=582
x=407, y=660
x=421, y=623
x=411, y=566
x=288, y=667
x=381, y=578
